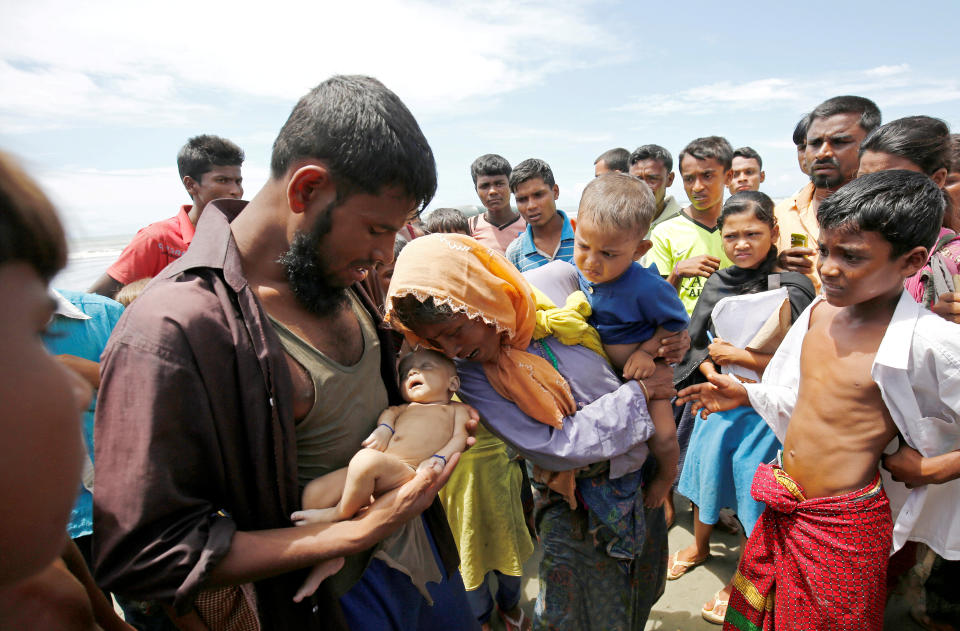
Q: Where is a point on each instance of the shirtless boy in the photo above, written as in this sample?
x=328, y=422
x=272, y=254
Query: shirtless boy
x=822, y=542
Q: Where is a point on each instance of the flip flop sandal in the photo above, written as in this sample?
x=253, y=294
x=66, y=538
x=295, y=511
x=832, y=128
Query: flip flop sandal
x=718, y=612
x=514, y=624
x=685, y=566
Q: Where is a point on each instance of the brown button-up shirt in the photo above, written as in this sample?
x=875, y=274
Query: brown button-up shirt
x=195, y=435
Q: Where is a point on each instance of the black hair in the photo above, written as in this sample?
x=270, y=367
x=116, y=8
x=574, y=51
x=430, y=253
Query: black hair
x=446, y=220
x=868, y=110
x=398, y=244
x=30, y=231
x=709, y=147
x=615, y=159
x=922, y=140
x=800, y=131
x=762, y=207
x=203, y=153
x=365, y=135
x=955, y=153
x=489, y=164
x=652, y=152
x=411, y=312
x=529, y=169
x=750, y=153
x=905, y=207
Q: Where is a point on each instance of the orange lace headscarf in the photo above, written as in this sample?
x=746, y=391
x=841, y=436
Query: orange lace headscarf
x=469, y=278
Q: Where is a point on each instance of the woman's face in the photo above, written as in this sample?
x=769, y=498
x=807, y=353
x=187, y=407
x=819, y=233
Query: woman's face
x=463, y=338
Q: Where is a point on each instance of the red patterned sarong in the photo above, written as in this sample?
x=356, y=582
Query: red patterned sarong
x=817, y=564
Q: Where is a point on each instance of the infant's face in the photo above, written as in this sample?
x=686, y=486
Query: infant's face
x=427, y=378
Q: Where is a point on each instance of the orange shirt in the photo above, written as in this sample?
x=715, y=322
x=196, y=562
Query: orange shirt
x=795, y=215
x=153, y=248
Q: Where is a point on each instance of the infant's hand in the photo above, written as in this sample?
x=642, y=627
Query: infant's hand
x=378, y=439
x=435, y=462
x=639, y=365
x=656, y=492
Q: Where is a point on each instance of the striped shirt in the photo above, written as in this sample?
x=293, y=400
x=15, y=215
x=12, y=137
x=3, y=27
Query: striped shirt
x=524, y=255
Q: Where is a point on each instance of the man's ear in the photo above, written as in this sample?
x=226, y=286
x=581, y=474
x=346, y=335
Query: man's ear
x=191, y=185
x=556, y=192
x=763, y=176
x=670, y=178
x=309, y=184
x=728, y=177
x=914, y=260
x=939, y=177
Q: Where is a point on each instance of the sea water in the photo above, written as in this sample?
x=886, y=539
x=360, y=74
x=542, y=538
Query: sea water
x=89, y=258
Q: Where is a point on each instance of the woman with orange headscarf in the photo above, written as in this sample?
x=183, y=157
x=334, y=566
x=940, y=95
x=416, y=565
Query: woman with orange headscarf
x=562, y=407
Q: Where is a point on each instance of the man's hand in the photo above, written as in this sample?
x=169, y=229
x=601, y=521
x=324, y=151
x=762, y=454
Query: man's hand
x=722, y=392
x=639, y=365
x=659, y=385
x=674, y=347
x=379, y=438
x=948, y=306
x=724, y=353
x=796, y=260
x=907, y=465
x=703, y=265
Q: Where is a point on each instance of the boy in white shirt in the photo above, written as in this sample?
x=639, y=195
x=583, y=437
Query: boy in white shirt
x=861, y=365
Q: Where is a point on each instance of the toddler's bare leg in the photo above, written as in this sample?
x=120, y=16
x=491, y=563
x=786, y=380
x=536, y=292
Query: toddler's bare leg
x=317, y=575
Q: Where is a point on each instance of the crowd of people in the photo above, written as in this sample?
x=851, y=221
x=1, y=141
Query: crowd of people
x=316, y=410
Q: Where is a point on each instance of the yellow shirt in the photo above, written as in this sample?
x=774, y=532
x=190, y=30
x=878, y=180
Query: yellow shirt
x=795, y=215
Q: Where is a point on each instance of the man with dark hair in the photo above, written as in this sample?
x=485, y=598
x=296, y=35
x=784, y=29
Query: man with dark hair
x=654, y=165
x=746, y=171
x=687, y=249
x=800, y=140
x=549, y=233
x=500, y=224
x=835, y=129
x=612, y=160
x=258, y=362
x=209, y=169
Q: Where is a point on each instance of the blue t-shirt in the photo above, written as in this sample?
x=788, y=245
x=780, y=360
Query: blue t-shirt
x=631, y=308
x=524, y=254
x=72, y=334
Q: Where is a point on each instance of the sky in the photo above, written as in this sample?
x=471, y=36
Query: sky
x=98, y=96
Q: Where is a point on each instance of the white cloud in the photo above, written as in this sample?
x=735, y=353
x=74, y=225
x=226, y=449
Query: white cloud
x=134, y=59
x=887, y=85
x=887, y=71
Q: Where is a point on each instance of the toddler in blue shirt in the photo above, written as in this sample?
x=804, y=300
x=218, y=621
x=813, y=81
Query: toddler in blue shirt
x=632, y=307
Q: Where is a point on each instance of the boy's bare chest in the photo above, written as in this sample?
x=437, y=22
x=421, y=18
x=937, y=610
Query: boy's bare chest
x=838, y=361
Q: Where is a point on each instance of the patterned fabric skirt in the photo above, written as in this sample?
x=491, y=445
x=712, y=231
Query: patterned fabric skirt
x=818, y=564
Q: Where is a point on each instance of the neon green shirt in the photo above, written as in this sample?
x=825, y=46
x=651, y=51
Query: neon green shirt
x=682, y=238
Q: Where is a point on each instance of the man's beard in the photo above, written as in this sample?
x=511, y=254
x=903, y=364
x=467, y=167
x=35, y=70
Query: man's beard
x=308, y=274
x=824, y=181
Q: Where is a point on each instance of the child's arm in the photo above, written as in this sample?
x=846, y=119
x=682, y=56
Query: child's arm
x=457, y=442
x=721, y=392
x=724, y=353
x=380, y=437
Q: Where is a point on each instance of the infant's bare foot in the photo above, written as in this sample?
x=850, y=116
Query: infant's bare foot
x=314, y=516
x=317, y=575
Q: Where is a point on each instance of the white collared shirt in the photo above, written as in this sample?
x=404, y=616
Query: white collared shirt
x=917, y=368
